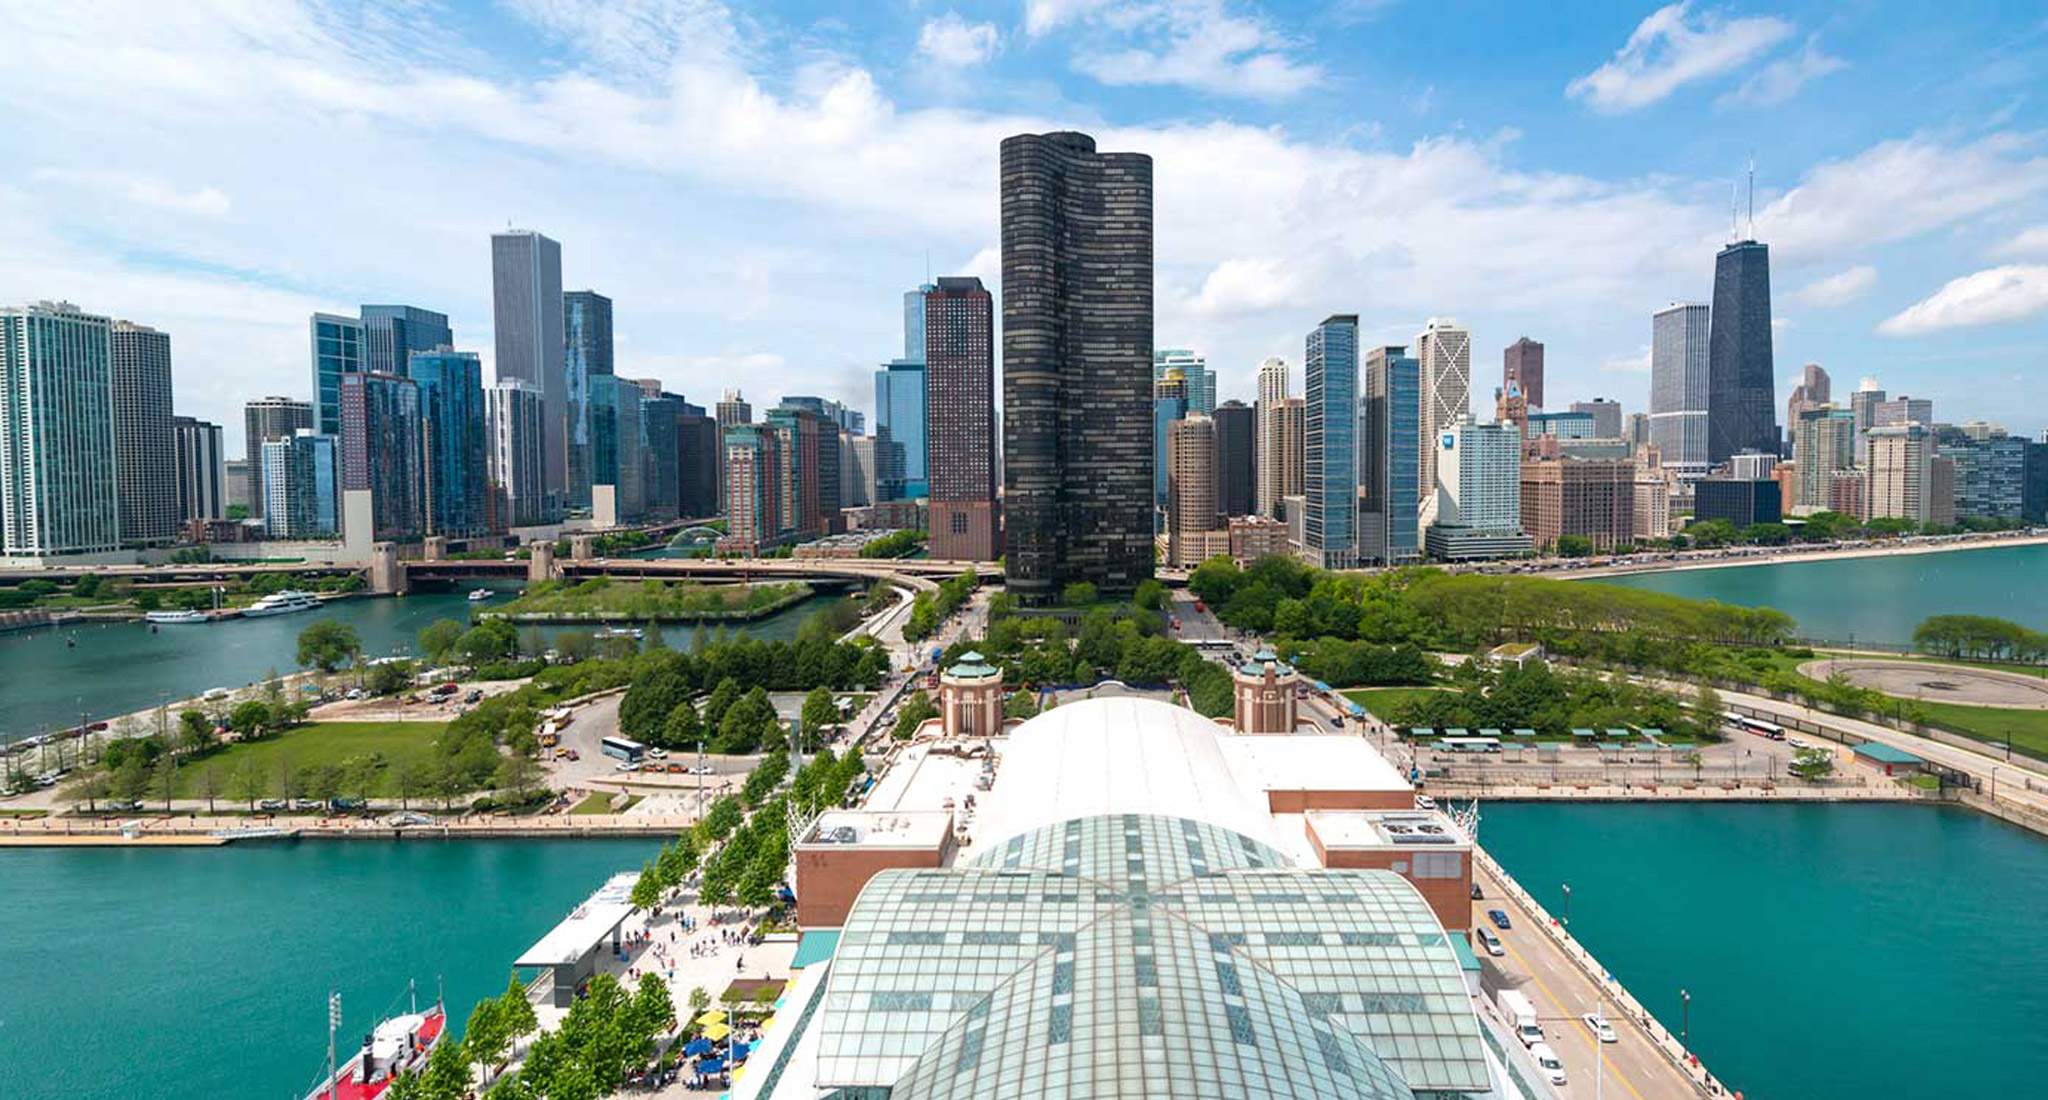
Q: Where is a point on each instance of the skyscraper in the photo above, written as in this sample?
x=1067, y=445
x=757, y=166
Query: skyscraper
x=587, y=354
x=301, y=483
x=913, y=322
x=1863, y=406
x=1444, y=352
x=1236, y=459
x=753, y=490
x=1678, y=387
x=731, y=411
x=1272, y=394
x=1815, y=389
x=271, y=418
x=454, y=441
x=1742, y=411
x=1904, y=410
x=1823, y=442
x=1522, y=369
x=804, y=469
x=380, y=450
x=900, y=407
x=697, y=466
x=1390, y=504
x=1193, y=367
x=960, y=414
x=201, y=470
x=1169, y=403
x=661, y=487
x=145, y=446
x=1479, y=493
x=1990, y=476
x=58, y=467
x=1291, y=431
x=527, y=316
x=1606, y=416
x=337, y=349
x=1590, y=498
x=617, y=447
x=1330, y=443
x=514, y=422
x=1077, y=357
x=1901, y=473
x=392, y=333
x=1191, y=488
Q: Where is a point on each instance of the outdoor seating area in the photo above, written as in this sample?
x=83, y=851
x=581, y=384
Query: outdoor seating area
x=713, y=1047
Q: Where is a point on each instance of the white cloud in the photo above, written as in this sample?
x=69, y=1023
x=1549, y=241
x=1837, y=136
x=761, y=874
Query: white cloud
x=1987, y=297
x=1899, y=189
x=1636, y=363
x=1240, y=286
x=1666, y=52
x=2026, y=244
x=1781, y=79
x=146, y=191
x=956, y=43
x=1198, y=44
x=1838, y=289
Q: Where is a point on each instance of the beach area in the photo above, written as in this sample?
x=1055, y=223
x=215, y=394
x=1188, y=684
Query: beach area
x=1735, y=557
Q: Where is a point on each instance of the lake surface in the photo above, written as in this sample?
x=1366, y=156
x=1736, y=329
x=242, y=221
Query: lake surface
x=1878, y=599
x=205, y=972
x=1832, y=951
x=120, y=668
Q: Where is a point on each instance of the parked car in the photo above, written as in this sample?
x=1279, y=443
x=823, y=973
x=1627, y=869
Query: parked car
x=1424, y=802
x=702, y=769
x=658, y=753
x=628, y=765
x=271, y=804
x=1477, y=893
x=1499, y=917
x=1601, y=1029
x=305, y=803
x=346, y=805
x=475, y=695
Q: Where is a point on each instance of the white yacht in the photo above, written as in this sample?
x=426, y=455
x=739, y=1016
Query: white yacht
x=281, y=603
x=175, y=616
x=479, y=595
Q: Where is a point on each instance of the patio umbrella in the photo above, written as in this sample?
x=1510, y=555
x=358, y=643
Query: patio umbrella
x=716, y=1032
x=711, y=1065
x=699, y=1045
x=738, y=1053
x=710, y=1018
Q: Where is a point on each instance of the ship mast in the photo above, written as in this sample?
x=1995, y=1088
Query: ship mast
x=333, y=1024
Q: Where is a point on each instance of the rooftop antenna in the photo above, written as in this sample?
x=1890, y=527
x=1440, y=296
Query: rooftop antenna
x=1752, y=196
x=1734, y=226
x=927, y=266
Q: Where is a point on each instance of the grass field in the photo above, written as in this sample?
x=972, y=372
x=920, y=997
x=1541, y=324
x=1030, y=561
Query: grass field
x=1380, y=700
x=600, y=802
x=2028, y=729
x=316, y=745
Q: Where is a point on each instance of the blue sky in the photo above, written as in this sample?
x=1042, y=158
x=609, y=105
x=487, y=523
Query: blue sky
x=756, y=185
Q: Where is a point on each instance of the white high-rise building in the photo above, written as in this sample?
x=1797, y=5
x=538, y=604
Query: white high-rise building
x=59, y=477
x=1271, y=467
x=1678, y=387
x=1444, y=351
x=513, y=414
x=1478, y=506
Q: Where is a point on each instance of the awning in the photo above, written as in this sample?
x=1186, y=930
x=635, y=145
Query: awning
x=1421, y=731
x=1455, y=731
x=1581, y=732
x=815, y=947
x=1617, y=734
x=1489, y=733
x=1524, y=731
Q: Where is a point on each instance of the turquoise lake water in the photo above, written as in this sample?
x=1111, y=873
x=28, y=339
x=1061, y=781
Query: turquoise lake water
x=1832, y=951
x=205, y=971
x=1875, y=599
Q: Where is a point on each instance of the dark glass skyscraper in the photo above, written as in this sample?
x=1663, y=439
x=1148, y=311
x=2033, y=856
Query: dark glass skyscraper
x=453, y=448
x=1077, y=365
x=1330, y=443
x=587, y=330
x=1742, y=406
x=380, y=450
x=1236, y=461
x=392, y=333
x=145, y=446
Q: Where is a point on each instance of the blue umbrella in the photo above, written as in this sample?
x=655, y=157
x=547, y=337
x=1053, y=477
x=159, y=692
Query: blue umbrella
x=699, y=1045
x=711, y=1065
x=739, y=1052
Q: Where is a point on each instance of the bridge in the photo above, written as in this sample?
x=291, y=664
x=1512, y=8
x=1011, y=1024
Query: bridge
x=916, y=575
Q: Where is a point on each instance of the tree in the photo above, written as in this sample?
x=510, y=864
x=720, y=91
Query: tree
x=1078, y=594
x=361, y=774
x=130, y=780
x=438, y=638
x=245, y=784
x=406, y=780
x=490, y=640
x=1812, y=763
x=914, y=712
x=327, y=645
x=389, y=677
x=682, y=729
x=250, y=718
x=323, y=781
x=515, y=1011
x=647, y=888
x=209, y=785
x=819, y=710
x=1706, y=704
x=1573, y=546
x=484, y=1038
x=165, y=779
x=522, y=776
x=1150, y=595
x=447, y=1073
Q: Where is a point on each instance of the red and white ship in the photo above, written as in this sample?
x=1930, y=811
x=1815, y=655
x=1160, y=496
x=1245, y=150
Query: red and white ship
x=399, y=1044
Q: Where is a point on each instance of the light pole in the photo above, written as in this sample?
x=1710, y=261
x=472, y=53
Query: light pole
x=1685, y=1018
x=1567, y=906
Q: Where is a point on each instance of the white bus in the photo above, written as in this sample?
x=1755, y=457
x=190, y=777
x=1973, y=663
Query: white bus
x=1758, y=726
x=624, y=748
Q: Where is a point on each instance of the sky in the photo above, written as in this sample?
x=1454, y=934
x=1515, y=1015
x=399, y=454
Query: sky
x=755, y=185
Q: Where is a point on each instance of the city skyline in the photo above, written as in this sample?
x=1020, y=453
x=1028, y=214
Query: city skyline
x=1576, y=242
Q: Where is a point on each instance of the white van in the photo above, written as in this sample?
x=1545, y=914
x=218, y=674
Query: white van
x=1490, y=941
x=1547, y=1061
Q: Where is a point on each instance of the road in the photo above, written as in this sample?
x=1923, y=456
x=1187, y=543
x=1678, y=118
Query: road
x=1561, y=992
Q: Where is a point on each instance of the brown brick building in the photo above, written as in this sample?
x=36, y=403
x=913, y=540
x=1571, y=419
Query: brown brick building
x=1590, y=497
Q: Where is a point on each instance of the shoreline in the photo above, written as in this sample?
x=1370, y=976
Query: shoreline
x=1800, y=557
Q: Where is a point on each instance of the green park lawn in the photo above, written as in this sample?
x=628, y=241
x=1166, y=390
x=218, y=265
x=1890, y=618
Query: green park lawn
x=600, y=802
x=316, y=745
x=1379, y=701
x=2028, y=729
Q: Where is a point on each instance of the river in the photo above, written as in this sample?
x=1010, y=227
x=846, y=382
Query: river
x=1831, y=950
x=119, y=668
x=205, y=971
x=1875, y=599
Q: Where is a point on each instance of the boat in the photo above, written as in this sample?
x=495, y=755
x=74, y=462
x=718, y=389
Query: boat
x=479, y=595
x=397, y=1045
x=175, y=616
x=632, y=632
x=281, y=603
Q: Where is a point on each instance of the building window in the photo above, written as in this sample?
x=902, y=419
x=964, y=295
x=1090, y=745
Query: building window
x=1439, y=865
x=959, y=523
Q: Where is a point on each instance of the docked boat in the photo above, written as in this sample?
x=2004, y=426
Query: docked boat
x=398, y=1045
x=632, y=632
x=175, y=616
x=479, y=595
x=281, y=603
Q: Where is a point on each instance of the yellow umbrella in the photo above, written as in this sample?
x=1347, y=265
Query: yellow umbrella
x=739, y=1073
x=716, y=1032
x=768, y=1024
x=710, y=1018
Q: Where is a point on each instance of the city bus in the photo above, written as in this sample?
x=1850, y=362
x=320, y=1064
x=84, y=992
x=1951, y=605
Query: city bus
x=624, y=748
x=1469, y=744
x=1758, y=726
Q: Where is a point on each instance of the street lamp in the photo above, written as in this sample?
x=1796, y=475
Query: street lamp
x=1685, y=1018
x=1567, y=905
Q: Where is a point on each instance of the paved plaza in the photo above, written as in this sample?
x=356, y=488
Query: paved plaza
x=1938, y=683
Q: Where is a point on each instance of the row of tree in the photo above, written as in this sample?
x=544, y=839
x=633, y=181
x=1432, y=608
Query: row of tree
x=1124, y=643
x=929, y=609
x=1980, y=637
x=736, y=715
x=1553, y=703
